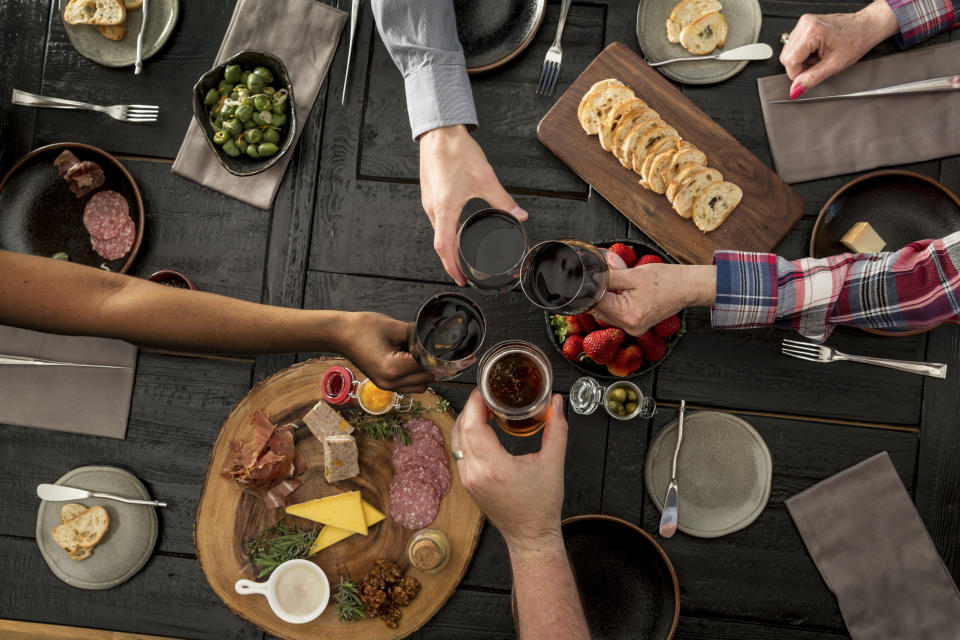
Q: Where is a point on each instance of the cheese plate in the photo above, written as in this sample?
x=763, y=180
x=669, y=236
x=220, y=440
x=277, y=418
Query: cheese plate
x=228, y=518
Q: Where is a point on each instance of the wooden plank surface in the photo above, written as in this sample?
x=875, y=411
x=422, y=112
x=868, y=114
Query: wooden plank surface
x=769, y=206
x=17, y=630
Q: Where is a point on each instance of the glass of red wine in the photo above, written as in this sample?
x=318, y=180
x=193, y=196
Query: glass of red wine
x=516, y=381
x=490, y=246
x=564, y=276
x=447, y=334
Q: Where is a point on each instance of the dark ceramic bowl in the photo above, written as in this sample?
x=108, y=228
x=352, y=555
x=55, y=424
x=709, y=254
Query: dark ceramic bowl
x=600, y=371
x=244, y=165
x=172, y=278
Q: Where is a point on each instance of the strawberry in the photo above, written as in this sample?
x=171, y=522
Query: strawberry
x=649, y=259
x=620, y=365
x=565, y=325
x=627, y=253
x=634, y=355
x=653, y=346
x=587, y=321
x=573, y=347
x=668, y=327
x=601, y=346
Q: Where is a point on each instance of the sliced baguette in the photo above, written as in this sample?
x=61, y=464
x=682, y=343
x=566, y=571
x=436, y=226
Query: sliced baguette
x=95, y=12
x=648, y=138
x=80, y=554
x=662, y=145
x=596, y=102
x=705, y=34
x=113, y=31
x=714, y=204
x=635, y=117
x=673, y=31
x=624, y=150
x=687, y=11
x=132, y=5
x=681, y=160
x=611, y=120
x=83, y=531
x=71, y=511
x=691, y=187
x=655, y=180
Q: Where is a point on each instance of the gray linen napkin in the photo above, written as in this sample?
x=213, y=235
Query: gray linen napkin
x=821, y=139
x=75, y=399
x=867, y=539
x=302, y=33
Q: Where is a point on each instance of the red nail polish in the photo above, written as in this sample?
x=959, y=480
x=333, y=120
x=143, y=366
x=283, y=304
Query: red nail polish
x=797, y=91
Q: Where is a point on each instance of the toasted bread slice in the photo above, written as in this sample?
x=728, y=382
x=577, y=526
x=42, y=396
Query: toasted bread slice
x=611, y=120
x=705, y=34
x=662, y=145
x=80, y=554
x=673, y=31
x=71, y=511
x=648, y=138
x=624, y=148
x=83, y=531
x=632, y=118
x=691, y=187
x=132, y=5
x=95, y=12
x=714, y=204
x=681, y=158
x=600, y=99
x=113, y=31
x=687, y=11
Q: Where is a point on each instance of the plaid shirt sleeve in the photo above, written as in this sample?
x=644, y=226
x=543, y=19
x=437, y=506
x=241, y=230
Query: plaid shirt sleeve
x=915, y=287
x=922, y=19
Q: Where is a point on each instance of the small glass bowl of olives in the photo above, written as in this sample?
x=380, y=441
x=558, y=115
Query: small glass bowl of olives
x=621, y=400
x=245, y=108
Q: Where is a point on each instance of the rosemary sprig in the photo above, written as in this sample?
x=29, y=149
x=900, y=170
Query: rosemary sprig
x=391, y=423
x=273, y=546
x=347, y=601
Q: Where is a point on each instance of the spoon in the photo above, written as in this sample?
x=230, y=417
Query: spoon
x=755, y=51
x=668, y=521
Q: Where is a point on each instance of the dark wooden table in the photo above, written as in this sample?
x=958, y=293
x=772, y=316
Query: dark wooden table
x=351, y=185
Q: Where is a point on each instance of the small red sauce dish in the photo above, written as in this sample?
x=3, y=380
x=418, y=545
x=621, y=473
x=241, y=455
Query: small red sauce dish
x=171, y=278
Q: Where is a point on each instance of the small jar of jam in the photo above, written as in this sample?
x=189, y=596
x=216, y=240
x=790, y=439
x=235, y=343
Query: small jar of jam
x=428, y=550
x=376, y=401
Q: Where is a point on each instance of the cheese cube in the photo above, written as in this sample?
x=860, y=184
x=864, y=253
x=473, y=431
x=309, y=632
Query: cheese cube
x=323, y=421
x=344, y=511
x=861, y=238
x=340, y=459
x=331, y=535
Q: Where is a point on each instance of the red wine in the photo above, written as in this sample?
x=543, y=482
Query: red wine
x=564, y=276
x=450, y=328
x=491, y=246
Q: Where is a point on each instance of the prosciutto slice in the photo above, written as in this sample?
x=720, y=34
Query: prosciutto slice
x=265, y=464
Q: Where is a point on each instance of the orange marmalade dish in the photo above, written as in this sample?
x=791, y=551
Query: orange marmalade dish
x=374, y=399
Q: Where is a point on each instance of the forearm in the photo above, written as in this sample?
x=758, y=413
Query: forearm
x=914, y=20
x=548, y=606
x=57, y=297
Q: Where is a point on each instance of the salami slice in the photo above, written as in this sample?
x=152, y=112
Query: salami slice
x=106, y=214
x=413, y=504
x=420, y=442
x=437, y=477
x=116, y=248
x=422, y=425
x=412, y=456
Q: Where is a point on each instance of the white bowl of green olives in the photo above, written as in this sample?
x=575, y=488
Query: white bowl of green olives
x=246, y=111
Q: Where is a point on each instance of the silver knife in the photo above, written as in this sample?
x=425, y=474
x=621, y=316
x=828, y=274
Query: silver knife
x=755, y=51
x=54, y=363
x=138, y=66
x=60, y=493
x=354, y=15
x=670, y=516
x=946, y=83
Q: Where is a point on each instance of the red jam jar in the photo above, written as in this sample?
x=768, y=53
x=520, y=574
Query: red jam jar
x=337, y=386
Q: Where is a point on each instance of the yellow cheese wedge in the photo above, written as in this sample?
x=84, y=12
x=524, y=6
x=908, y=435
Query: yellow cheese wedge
x=344, y=510
x=331, y=535
x=862, y=238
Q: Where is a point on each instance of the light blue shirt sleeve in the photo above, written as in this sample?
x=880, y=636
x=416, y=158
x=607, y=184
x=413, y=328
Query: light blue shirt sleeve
x=421, y=37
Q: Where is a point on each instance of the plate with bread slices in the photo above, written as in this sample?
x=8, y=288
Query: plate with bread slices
x=669, y=29
x=97, y=543
x=105, y=31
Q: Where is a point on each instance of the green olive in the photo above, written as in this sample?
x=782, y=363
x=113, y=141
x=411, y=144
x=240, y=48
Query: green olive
x=230, y=148
x=616, y=407
x=252, y=136
x=255, y=82
x=261, y=102
x=61, y=255
x=630, y=407
x=631, y=395
x=211, y=98
x=232, y=73
x=217, y=123
x=279, y=105
x=250, y=124
x=278, y=119
x=244, y=76
x=220, y=137
x=264, y=73
x=224, y=88
x=242, y=144
x=267, y=149
x=227, y=110
x=234, y=127
x=252, y=151
x=619, y=394
x=271, y=135
x=257, y=119
x=244, y=113
x=269, y=91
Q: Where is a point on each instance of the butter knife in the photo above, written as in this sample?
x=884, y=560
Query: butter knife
x=354, y=16
x=54, y=363
x=138, y=65
x=60, y=493
x=670, y=517
x=946, y=83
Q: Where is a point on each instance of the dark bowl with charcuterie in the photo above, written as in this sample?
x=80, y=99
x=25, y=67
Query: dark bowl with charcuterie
x=634, y=356
x=75, y=202
x=231, y=96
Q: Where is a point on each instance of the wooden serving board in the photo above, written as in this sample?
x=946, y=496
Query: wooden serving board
x=769, y=207
x=226, y=518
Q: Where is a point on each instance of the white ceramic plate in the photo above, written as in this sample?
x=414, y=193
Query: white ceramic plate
x=91, y=44
x=129, y=540
x=743, y=18
x=724, y=473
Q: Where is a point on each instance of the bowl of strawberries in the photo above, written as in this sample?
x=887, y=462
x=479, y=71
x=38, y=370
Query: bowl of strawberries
x=608, y=352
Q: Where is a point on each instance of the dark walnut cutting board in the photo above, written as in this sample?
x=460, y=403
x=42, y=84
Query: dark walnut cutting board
x=226, y=518
x=769, y=207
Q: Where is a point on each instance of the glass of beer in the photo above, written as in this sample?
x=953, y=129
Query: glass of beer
x=565, y=276
x=516, y=381
x=447, y=334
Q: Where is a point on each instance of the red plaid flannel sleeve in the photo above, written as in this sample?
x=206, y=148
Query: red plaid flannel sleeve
x=921, y=19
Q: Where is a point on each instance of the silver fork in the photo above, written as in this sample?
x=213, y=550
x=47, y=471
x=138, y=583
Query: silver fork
x=821, y=353
x=551, y=63
x=124, y=112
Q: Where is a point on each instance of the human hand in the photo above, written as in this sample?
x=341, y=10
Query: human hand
x=823, y=45
x=521, y=495
x=651, y=292
x=377, y=345
x=453, y=170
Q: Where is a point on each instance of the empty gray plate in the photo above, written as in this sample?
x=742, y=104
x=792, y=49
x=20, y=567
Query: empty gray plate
x=91, y=44
x=130, y=537
x=743, y=18
x=724, y=473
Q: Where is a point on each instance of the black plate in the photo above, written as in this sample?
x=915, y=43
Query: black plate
x=600, y=371
x=39, y=214
x=902, y=206
x=627, y=584
x=493, y=32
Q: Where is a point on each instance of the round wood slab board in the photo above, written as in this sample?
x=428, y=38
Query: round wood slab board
x=226, y=518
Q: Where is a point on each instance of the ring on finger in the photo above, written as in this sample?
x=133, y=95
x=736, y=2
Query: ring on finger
x=457, y=454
